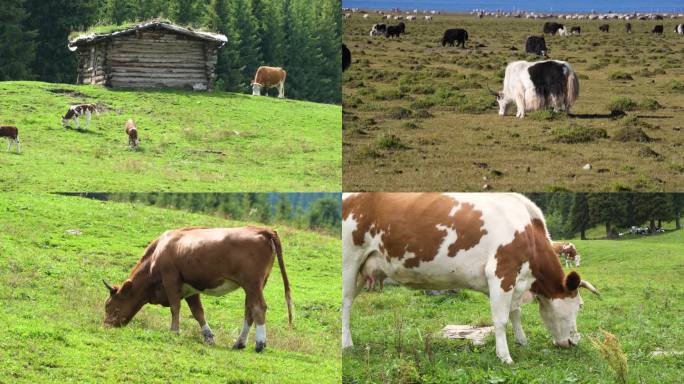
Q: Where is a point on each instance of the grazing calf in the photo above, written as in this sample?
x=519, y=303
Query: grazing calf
x=538, y=85
x=12, y=135
x=628, y=28
x=269, y=77
x=132, y=133
x=658, y=29
x=604, y=28
x=76, y=111
x=497, y=244
x=455, y=35
x=395, y=30
x=567, y=251
x=184, y=263
x=378, y=29
x=575, y=30
x=536, y=45
x=552, y=28
x=346, y=58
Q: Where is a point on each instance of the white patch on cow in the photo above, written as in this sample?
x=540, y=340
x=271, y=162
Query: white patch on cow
x=226, y=287
x=261, y=333
x=245, y=332
x=560, y=318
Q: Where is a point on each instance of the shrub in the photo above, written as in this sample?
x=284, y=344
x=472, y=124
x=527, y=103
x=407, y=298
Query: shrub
x=399, y=113
x=612, y=353
x=391, y=142
x=649, y=104
x=631, y=133
x=622, y=103
x=547, y=114
x=621, y=75
x=572, y=134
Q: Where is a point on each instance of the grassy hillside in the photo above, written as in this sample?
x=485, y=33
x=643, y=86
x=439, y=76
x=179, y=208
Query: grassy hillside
x=642, y=304
x=418, y=116
x=53, y=302
x=190, y=141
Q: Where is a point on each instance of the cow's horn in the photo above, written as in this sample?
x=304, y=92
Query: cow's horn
x=590, y=287
x=107, y=285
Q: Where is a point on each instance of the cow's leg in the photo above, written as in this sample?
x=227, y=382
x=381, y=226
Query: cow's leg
x=9, y=144
x=88, y=115
x=520, y=337
x=16, y=142
x=520, y=106
x=195, y=305
x=350, y=288
x=242, y=339
x=172, y=286
x=500, y=302
x=76, y=122
x=281, y=90
x=257, y=307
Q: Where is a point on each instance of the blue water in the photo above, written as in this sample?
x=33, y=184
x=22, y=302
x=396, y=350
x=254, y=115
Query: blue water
x=523, y=5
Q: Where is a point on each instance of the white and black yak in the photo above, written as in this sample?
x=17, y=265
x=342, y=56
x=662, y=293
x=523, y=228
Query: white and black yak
x=538, y=85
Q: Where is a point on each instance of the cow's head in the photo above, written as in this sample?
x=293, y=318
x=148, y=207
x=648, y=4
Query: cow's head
x=121, y=305
x=560, y=313
x=65, y=121
x=256, y=89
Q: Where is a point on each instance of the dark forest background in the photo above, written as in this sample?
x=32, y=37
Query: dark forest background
x=302, y=36
x=570, y=214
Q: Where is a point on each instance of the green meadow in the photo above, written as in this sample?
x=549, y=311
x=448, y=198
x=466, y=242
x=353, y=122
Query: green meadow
x=53, y=302
x=189, y=141
x=397, y=333
x=419, y=116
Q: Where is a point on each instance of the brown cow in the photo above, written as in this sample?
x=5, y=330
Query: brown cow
x=132, y=133
x=269, y=77
x=567, y=251
x=182, y=263
x=12, y=135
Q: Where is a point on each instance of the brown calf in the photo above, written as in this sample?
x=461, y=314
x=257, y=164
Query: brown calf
x=182, y=263
x=132, y=133
x=269, y=77
x=12, y=135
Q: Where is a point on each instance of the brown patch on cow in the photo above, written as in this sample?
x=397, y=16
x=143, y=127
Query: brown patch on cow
x=408, y=222
x=533, y=245
x=269, y=76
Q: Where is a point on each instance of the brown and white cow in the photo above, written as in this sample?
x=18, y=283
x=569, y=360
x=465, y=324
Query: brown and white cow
x=567, y=251
x=132, y=133
x=12, y=135
x=494, y=243
x=76, y=111
x=182, y=263
x=269, y=77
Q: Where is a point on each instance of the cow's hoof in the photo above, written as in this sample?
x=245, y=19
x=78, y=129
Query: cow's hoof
x=210, y=340
x=239, y=345
x=506, y=360
x=260, y=345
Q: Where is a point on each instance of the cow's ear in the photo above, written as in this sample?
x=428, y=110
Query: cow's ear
x=572, y=281
x=126, y=287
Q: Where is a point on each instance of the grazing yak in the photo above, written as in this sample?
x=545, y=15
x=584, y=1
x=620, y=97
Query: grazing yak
x=604, y=27
x=346, y=58
x=679, y=29
x=269, y=77
x=658, y=29
x=494, y=243
x=537, y=85
x=12, y=135
x=575, y=30
x=455, y=35
x=628, y=28
x=395, y=30
x=536, y=45
x=76, y=111
x=552, y=28
x=132, y=133
x=378, y=29
x=184, y=263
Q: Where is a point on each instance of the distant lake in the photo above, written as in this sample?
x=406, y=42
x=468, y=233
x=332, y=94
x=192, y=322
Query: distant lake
x=523, y=5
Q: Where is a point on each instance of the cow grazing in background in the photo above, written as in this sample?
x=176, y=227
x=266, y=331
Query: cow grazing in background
x=269, y=77
x=395, y=30
x=182, y=263
x=575, y=30
x=536, y=45
x=538, y=85
x=378, y=29
x=497, y=244
x=76, y=111
x=132, y=133
x=12, y=135
x=628, y=28
x=658, y=29
x=455, y=35
x=604, y=28
x=563, y=32
x=552, y=28
x=346, y=58
x=428, y=18
x=679, y=29
x=567, y=251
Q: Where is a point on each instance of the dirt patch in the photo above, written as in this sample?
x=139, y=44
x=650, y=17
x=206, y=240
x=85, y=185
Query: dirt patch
x=68, y=92
x=646, y=152
x=630, y=133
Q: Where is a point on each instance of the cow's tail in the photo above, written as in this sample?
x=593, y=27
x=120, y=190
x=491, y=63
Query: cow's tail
x=572, y=90
x=275, y=240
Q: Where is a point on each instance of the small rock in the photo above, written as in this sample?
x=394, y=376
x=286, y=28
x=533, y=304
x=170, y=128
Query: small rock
x=603, y=170
x=481, y=165
x=587, y=167
x=529, y=169
x=494, y=172
x=486, y=187
x=75, y=232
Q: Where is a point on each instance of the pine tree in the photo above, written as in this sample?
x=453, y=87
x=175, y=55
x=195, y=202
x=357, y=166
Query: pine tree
x=17, y=49
x=283, y=207
x=578, y=218
x=607, y=208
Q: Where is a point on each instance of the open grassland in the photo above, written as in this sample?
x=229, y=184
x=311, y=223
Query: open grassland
x=53, y=302
x=418, y=116
x=398, y=340
x=189, y=141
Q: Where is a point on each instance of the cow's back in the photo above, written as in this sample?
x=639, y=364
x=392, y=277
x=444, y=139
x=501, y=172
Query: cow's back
x=269, y=76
